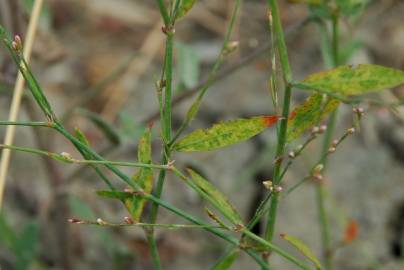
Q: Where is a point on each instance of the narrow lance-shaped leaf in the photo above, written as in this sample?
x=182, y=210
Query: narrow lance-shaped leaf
x=302, y=248
x=228, y=261
x=217, y=198
x=313, y=110
x=354, y=80
x=143, y=178
x=185, y=7
x=122, y=196
x=224, y=134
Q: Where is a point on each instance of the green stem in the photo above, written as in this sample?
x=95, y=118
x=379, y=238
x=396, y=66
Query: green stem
x=25, y=123
x=283, y=55
x=282, y=131
x=320, y=188
x=274, y=248
x=166, y=122
x=68, y=159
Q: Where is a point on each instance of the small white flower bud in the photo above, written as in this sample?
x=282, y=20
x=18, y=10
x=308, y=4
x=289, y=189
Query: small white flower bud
x=292, y=154
x=331, y=150
x=268, y=184
x=323, y=128
x=100, y=221
x=315, y=130
x=351, y=130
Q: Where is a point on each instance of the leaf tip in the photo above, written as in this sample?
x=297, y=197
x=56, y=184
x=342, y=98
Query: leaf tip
x=270, y=120
x=351, y=231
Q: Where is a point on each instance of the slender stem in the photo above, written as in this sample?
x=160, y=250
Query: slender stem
x=68, y=159
x=25, y=123
x=320, y=188
x=283, y=55
x=166, y=122
x=145, y=225
x=274, y=248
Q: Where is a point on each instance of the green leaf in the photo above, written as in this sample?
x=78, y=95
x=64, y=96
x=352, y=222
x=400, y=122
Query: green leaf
x=208, y=191
x=143, y=178
x=7, y=234
x=185, y=7
x=122, y=196
x=104, y=126
x=303, y=248
x=308, y=114
x=188, y=65
x=81, y=137
x=26, y=245
x=226, y=262
x=224, y=134
x=354, y=80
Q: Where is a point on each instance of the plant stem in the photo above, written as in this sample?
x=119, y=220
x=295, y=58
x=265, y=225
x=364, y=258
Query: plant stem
x=68, y=159
x=320, y=188
x=283, y=55
x=276, y=249
x=166, y=123
x=25, y=123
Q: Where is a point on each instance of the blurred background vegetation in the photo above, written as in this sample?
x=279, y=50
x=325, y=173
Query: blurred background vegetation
x=98, y=61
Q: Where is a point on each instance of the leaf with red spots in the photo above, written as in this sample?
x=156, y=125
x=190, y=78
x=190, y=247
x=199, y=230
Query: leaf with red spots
x=224, y=134
x=308, y=114
x=351, y=231
x=353, y=80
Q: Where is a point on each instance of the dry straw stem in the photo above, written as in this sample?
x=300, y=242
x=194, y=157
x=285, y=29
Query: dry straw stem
x=18, y=91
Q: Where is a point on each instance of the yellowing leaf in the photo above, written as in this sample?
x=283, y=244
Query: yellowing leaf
x=185, y=6
x=308, y=114
x=224, y=134
x=354, y=80
x=144, y=177
x=302, y=248
x=214, y=196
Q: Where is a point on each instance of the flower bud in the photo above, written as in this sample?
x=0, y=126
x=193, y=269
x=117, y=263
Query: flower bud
x=268, y=184
x=292, y=154
x=323, y=128
x=331, y=150
x=351, y=130
x=128, y=220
